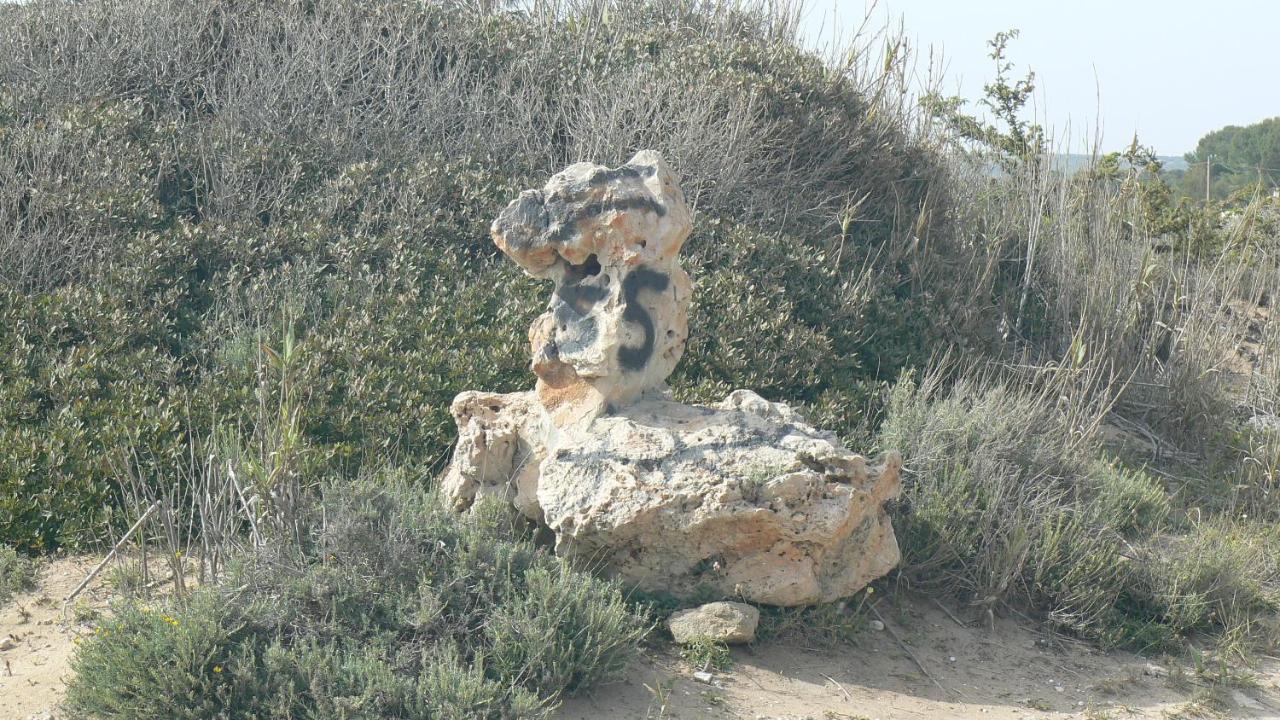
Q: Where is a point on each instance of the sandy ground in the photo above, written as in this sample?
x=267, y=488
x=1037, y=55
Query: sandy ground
x=1015, y=671
x=33, y=670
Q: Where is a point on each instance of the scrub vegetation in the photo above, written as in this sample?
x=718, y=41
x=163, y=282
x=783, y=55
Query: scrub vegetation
x=244, y=268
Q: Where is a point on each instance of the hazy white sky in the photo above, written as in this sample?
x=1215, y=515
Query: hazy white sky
x=1171, y=70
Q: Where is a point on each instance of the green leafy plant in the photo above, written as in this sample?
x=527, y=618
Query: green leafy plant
x=706, y=654
x=17, y=573
x=387, y=607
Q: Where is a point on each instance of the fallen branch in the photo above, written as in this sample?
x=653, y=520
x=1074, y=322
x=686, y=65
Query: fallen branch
x=907, y=650
x=950, y=614
x=847, y=696
x=84, y=583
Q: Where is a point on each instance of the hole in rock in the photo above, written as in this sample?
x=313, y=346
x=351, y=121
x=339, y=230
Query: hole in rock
x=588, y=268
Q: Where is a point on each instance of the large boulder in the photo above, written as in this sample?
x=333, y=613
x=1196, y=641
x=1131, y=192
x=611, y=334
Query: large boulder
x=742, y=499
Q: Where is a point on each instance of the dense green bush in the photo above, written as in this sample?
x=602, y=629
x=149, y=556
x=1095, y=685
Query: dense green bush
x=197, y=179
x=1128, y=498
x=388, y=608
x=1218, y=577
x=165, y=340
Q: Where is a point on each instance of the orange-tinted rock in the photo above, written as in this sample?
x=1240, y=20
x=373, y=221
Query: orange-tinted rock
x=744, y=497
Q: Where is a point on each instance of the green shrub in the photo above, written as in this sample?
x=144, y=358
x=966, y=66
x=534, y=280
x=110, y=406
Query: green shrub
x=1002, y=506
x=1256, y=464
x=1129, y=499
x=17, y=573
x=826, y=625
x=563, y=630
x=1220, y=577
x=988, y=466
x=152, y=663
x=706, y=653
x=390, y=607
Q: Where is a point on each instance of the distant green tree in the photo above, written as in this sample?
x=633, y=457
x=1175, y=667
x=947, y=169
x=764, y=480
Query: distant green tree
x=1176, y=221
x=1242, y=160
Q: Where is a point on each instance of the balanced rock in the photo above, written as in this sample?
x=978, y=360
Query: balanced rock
x=743, y=498
x=731, y=623
x=617, y=321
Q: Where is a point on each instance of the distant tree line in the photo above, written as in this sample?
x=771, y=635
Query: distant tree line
x=1240, y=160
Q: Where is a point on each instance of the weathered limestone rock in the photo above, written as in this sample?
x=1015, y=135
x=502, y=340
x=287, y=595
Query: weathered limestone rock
x=617, y=321
x=501, y=442
x=731, y=623
x=743, y=498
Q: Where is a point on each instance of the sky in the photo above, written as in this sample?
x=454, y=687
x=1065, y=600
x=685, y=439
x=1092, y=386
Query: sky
x=1171, y=71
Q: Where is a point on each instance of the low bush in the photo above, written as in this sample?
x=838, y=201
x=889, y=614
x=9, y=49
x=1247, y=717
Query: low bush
x=1128, y=498
x=389, y=607
x=1220, y=577
x=704, y=654
x=1002, y=507
x=987, y=466
x=827, y=625
x=17, y=573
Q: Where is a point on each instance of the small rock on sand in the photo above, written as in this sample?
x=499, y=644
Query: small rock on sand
x=727, y=622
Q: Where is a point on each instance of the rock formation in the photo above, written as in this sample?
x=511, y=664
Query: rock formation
x=743, y=499
x=618, y=317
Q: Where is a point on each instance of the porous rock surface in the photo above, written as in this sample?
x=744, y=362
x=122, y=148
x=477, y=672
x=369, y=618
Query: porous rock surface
x=618, y=317
x=743, y=499
x=731, y=623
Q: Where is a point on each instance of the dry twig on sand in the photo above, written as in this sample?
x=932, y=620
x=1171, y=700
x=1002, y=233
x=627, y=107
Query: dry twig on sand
x=907, y=650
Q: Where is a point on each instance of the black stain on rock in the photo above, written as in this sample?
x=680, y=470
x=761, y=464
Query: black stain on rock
x=642, y=278
x=564, y=220
x=580, y=289
x=604, y=177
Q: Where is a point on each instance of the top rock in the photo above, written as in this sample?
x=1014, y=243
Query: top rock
x=617, y=321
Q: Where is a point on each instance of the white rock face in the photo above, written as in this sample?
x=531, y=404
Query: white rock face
x=502, y=439
x=744, y=498
x=731, y=623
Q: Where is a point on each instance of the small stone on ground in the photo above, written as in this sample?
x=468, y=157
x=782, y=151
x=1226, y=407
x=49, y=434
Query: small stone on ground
x=727, y=622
